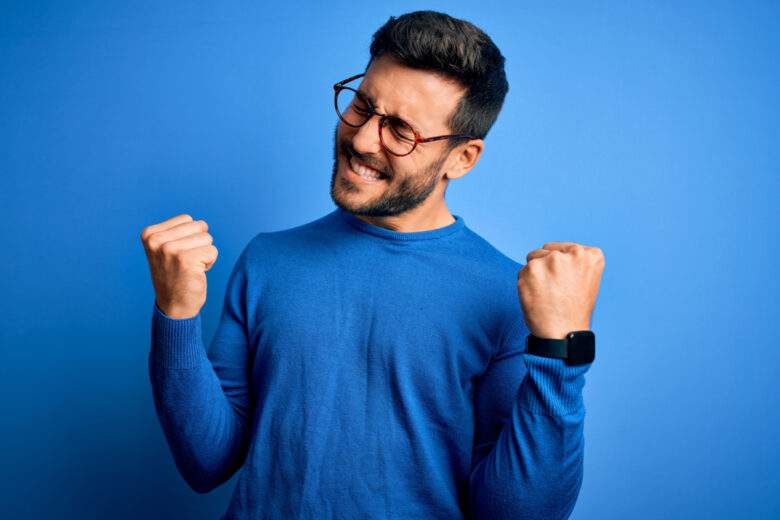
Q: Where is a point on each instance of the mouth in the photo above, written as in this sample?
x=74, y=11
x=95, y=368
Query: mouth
x=362, y=172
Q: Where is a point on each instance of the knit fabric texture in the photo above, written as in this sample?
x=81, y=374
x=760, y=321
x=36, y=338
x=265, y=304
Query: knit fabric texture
x=361, y=372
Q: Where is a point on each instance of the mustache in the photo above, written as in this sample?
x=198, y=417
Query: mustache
x=348, y=152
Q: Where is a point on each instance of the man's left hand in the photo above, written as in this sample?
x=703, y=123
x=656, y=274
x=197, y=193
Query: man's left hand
x=558, y=287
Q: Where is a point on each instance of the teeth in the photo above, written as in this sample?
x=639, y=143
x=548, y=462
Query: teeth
x=363, y=171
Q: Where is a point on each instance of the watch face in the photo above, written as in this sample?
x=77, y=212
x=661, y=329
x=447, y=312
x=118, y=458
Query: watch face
x=582, y=347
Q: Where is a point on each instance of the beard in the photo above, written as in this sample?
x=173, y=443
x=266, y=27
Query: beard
x=412, y=191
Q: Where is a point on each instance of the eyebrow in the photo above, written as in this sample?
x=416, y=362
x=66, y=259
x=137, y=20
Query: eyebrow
x=371, y=100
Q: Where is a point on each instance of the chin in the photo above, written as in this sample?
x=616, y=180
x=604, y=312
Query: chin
x=342, y=189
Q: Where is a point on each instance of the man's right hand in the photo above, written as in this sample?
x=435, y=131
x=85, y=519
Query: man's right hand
x=179, y=251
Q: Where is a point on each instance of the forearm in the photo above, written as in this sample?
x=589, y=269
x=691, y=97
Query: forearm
x=536, y=465
x=206, y=434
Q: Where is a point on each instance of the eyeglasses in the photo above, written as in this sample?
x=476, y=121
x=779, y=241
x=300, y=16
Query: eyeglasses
x=396, y=135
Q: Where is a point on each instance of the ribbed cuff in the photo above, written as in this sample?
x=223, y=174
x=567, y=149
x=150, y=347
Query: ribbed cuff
x=552, y=387
x=176, y=343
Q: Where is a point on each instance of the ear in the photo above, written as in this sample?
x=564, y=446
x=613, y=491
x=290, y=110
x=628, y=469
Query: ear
x=463, y=158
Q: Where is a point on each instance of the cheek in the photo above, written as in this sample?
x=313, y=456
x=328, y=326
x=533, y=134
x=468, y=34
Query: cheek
x=346, y=132
x=408, y=166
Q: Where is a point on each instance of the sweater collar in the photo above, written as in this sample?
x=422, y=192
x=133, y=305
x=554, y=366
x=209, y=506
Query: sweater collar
x=389, y=234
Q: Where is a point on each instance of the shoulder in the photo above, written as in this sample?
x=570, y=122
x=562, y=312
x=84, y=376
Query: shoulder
x=493, y=260
x=499, y=271
x=283, y=242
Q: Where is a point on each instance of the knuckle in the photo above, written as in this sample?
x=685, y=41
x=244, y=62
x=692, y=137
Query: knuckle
x=153, y=242
x=533, y=254
x=179, y=262
x=597, y=254
x=556, y=256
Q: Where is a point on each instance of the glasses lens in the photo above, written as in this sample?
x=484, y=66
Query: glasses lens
x=353, y=109
x=397, y=136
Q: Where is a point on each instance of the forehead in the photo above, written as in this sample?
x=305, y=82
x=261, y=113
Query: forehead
x=422, y=97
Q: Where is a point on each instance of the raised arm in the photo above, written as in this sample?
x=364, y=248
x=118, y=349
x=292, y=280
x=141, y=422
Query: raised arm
x=203, y=399
x=528, y=449
x=528, y=453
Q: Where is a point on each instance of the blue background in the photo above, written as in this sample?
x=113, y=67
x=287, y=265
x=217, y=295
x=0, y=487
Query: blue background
x=648, y=130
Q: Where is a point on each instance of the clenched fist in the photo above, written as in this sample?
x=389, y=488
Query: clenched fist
x=558, y=286
x=179, y=252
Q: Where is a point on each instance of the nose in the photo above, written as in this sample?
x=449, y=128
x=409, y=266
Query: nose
x=366, y=138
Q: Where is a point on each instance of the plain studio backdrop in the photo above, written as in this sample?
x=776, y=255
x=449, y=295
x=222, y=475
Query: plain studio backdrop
x=650, y=130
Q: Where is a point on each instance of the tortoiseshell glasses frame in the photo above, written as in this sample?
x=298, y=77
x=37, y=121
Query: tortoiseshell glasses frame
x=369, y=112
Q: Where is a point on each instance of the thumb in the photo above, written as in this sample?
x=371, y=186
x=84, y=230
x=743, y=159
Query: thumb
x=207, y=255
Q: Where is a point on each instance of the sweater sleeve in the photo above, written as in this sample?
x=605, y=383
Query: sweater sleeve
x=203, y=400
x=528, y=450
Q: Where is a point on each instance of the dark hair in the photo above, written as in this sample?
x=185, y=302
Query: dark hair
x=457, y=49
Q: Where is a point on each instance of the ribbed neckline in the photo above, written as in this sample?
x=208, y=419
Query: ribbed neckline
x=389, y=234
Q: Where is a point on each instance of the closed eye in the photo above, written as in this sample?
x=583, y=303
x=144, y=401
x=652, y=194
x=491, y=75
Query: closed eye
x=401, y=130
x=361, y=110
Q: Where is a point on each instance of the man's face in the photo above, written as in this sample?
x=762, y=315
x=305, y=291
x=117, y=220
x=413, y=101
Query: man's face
x=424, y=100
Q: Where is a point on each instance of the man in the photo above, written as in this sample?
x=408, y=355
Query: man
x=373, y=363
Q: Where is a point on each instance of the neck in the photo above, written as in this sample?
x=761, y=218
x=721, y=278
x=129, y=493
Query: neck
x=421, y=218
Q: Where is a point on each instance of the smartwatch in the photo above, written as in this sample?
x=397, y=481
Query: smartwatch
x=577, y=348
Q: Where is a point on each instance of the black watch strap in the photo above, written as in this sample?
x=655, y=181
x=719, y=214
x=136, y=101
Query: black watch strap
x=578, y=348
x=555, y=348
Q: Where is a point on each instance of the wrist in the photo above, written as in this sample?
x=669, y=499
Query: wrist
x=557, y=332
x=578, y=347
x=176, y=312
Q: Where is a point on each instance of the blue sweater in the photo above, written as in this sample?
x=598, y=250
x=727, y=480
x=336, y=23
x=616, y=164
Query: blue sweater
x=360, y=372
